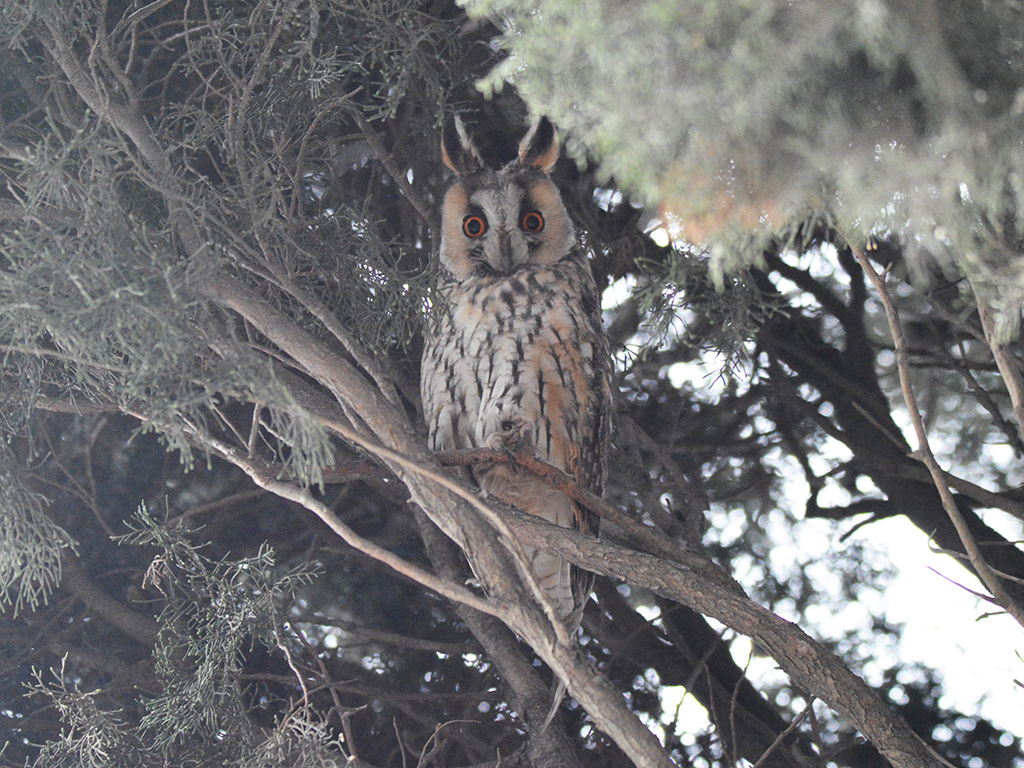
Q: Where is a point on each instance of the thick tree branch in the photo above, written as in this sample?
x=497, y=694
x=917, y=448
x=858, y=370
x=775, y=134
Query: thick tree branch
x=397, y=446
x=686, y=651
x=547, y=748
x=810, y=665
x=645, y=536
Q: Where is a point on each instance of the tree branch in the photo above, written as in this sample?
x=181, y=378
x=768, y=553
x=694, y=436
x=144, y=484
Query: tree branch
x=446, y=504
x=810, y=665
x=988, y=577
x=264, y=478
x=138, y=626
x=687, y=577
x=548, y=747
x=699, y=583
x=1007, y=364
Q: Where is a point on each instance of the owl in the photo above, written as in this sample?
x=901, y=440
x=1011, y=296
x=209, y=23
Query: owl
x=518, y=356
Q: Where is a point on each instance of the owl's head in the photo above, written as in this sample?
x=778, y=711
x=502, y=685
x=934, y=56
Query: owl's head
x=496, y=222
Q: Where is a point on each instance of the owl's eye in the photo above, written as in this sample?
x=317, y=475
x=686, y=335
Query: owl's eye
x=533, y=222
x=474, y=226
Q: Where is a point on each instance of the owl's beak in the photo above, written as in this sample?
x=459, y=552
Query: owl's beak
x=512, y=252
x=505, y=255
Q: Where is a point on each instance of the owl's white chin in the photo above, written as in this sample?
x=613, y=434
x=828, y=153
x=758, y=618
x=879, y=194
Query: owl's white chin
x=508, y=257
x=506, y=264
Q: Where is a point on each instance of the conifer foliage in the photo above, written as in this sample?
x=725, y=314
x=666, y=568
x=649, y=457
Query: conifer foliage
x=223, y=541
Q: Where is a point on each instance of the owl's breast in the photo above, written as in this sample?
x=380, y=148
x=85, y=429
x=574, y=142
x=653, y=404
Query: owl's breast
x=517, y=350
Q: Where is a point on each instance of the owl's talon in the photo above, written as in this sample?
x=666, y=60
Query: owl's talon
x=515, y=437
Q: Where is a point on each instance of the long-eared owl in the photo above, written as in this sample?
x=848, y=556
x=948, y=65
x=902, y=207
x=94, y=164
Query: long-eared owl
x=518, y=353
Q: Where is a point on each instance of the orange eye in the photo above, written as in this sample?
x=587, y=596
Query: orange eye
x=533, y=222
x=474, y=226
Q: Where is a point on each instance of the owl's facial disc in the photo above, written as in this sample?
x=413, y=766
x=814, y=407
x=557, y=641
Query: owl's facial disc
x=497, y=222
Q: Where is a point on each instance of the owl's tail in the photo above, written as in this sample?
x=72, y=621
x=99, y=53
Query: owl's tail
x=565, y=586
x=556, y=702
x=553, y=575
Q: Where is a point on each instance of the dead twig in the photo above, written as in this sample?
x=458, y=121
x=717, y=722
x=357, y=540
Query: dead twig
x=782, y=736
x=1006, y=362
x=924, y=452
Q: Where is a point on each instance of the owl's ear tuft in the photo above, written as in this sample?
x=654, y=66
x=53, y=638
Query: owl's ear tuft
x=539, y=147
x=457, y=148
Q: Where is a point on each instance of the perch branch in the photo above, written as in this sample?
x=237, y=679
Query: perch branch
x=687, y=577
x=497, y=521
x=642, y=535
x=699, y=583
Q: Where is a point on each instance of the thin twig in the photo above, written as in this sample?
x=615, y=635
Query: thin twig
x=955, y=583
x=984, y=400
x=316, y=308
x=782, y=736
x=264, y=478
x=1007, y=364
x=388, y=161
x=389, y=638
x=734, y=706
x=924, y=451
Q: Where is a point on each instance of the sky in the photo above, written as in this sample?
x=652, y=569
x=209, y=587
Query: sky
x=948, y=628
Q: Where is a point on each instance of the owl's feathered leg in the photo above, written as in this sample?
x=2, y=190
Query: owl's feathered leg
x=535, y=497
x=515, y=435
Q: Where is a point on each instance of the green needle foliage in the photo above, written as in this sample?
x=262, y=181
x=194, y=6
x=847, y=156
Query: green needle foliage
x=742, y=120
x=223, y=541
x=31, y=544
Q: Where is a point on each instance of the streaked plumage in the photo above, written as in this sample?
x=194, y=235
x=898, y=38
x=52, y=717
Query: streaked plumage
x=518, y=353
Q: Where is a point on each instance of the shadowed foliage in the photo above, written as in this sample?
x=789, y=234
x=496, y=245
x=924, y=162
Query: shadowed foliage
x=223, y=541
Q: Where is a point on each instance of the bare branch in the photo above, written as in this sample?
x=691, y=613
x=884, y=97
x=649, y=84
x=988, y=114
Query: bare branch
x=1008, y=366
x=782, y=736
x=138, y=626
x=924, y=451
x=809, y=664
x=697, y=582
x=265, y=479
